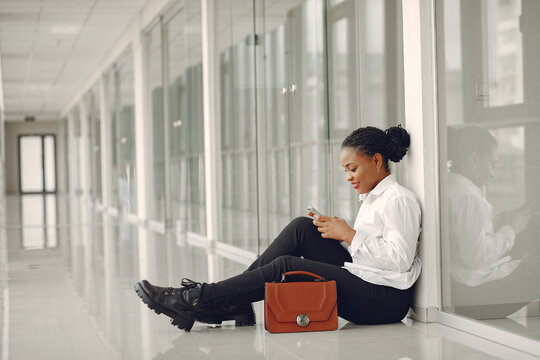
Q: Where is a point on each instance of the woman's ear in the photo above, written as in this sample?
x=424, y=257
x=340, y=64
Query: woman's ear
x=377, y=160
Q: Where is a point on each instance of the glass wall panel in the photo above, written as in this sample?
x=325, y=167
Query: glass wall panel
x=365, y=80
x=125, y=143
x=76, y=150
x=94, y=143
x=155, y=135
x=353, y=49
x=112, y=93
x=294, y=121
x=307, y=107
x=275, y=140
x=490, y=172
x=185, y=118
x=236, y=117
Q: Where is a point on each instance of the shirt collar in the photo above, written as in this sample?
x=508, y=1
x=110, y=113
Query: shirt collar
x=380, y=188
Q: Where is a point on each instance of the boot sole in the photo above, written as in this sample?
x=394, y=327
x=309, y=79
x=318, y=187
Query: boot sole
x=247, y=319
x=183, y=320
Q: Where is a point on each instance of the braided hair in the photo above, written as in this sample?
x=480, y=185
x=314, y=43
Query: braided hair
x=392, y=143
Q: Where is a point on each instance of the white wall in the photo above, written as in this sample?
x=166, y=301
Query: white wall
x=421, y=165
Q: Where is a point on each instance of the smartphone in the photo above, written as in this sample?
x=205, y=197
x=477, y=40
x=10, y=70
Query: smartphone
x=312, y=210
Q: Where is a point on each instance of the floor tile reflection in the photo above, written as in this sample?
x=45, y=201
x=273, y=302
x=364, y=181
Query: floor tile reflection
x=75, y=300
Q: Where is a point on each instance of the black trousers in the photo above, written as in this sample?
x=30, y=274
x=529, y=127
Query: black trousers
x=300, y=246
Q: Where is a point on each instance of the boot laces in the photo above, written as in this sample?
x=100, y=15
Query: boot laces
x=189, y=284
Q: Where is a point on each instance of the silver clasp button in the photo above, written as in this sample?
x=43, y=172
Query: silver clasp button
x=302, y=320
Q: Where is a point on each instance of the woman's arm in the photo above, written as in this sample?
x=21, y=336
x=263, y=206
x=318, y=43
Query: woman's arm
x=334, y=228
x=475, y=242
x=394, y=248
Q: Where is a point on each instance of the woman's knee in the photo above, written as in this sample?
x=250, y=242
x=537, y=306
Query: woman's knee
x=285, y=263
x=302, y=222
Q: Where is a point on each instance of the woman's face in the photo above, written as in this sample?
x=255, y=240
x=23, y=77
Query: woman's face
x=361, y=169
x=484, y=165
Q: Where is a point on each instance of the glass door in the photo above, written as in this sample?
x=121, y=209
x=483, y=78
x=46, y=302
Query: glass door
x=294, y=118
x=37, y=164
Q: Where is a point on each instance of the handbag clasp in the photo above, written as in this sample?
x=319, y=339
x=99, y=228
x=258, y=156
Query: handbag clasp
x=302, y=320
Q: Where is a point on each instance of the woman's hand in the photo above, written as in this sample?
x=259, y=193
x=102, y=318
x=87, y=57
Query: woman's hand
x=518, y=219
x=334, y=228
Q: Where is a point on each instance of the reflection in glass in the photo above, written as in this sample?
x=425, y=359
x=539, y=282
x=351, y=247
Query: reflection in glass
x=505, y=52
x=487, y=249
x=38, y=221
x=490, y=190
x=51, y=220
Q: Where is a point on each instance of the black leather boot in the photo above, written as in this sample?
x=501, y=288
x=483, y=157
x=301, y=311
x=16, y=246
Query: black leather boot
x=243, y=315
x=178, y=304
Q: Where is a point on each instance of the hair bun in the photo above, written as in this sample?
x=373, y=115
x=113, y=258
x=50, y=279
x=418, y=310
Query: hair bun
x=398, y=143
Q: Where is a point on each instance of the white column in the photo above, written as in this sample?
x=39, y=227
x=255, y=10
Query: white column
x=421, y=164
x=211, y=130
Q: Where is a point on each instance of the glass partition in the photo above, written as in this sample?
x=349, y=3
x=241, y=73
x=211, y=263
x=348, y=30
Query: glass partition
x=111, y=91
x=236, y=120
x=307, y=107
x=490, y=175
x=327, y=69
x=94, y=144
x=185, y=118
x=125, y=142
x=155, y=151
x=75, y=150
x=365, y=81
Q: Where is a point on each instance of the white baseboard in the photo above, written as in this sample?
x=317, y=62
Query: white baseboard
x=423, y=313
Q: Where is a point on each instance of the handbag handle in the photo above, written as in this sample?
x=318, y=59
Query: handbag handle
x=317, y=277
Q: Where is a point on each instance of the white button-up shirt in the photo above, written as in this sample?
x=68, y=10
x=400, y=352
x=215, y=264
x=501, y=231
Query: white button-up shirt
x=477, y=250
x=384, y=249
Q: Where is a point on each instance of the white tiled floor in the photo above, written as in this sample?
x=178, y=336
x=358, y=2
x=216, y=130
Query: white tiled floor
x=67, y=293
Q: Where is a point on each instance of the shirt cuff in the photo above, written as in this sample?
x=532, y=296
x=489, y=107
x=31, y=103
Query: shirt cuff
x=357, y=241
x=510, y=234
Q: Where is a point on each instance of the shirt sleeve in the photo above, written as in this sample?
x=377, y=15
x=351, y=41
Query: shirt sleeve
x=395, y=249
x=474, y=240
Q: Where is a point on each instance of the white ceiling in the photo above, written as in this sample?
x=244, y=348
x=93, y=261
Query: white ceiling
x=49, y=47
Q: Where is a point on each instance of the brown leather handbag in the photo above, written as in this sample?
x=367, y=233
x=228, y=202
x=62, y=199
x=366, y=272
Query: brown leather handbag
x=300, y=306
